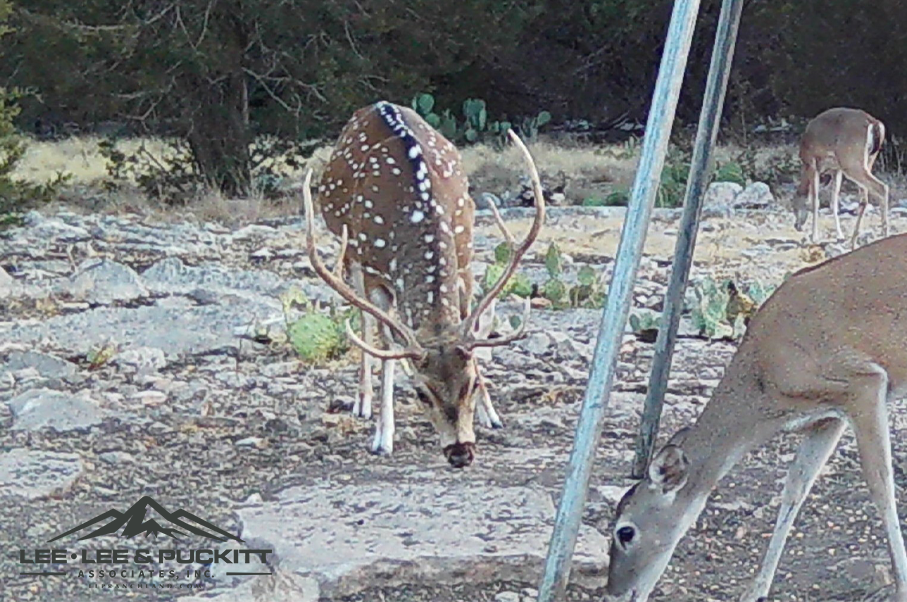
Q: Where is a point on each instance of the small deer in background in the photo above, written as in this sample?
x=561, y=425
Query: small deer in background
x=828, y=349
x=395, y=193
x=851, y=139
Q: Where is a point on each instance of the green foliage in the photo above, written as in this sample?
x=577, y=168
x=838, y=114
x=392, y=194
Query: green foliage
x=474, y=125
x=730, y=172
x=709, y=312
x=645, y=325
x=586, y=293
x=16, y=195
x=529, y=126
x=774, y=169
x=721, y=310
x=673, y=184
x=317, y=335
x=617, y=198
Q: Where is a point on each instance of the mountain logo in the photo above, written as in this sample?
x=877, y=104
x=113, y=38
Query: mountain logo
x=132, y=522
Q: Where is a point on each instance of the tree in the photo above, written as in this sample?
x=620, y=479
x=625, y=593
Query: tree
x=220, y=72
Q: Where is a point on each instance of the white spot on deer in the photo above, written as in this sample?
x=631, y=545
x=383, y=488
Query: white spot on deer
x=362, y=236
x=417, y=216
x=459, y=230
x=442, y=261
x=443, y=288
x=379, y=220
x=364, y=147
x=414, y=151
x=429, y=254
x=429, y=238
x=431, y=297
x=443, y=245
x=374, y=189
x=367, y=202
x=439, y=209
x=425, y=196
x=322, y=188
x=396, y=171
x=445, y=302
x=363, y=136
x=392, y=266
x=461, y=201
x=380, y=243
x=399, y=283
x=445, y=228
x=390, y=160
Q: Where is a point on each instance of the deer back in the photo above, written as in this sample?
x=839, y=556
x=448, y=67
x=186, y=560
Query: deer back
x=399, y=188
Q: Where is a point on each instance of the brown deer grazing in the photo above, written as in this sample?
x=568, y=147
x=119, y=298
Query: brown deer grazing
x=395, y=192
x=828, y=349
x=850, y=139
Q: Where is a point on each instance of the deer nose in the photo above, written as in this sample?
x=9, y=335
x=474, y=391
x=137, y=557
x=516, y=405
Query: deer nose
x=460, y=455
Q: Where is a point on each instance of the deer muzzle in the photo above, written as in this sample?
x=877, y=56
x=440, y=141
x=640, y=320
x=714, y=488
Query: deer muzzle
x=459, y=454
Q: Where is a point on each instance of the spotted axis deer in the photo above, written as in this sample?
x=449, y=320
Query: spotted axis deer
x=828, y=349
x=850, y=140
x=395, y=192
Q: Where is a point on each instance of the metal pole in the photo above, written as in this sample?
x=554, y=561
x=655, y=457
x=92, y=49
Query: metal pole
x=700, y=170
x=629, y=252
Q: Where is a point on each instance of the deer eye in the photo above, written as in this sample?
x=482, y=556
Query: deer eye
x=625, y=536
x=465, y=390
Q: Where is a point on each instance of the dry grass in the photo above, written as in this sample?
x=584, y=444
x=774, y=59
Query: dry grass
x=79, y=156
x=589, y=171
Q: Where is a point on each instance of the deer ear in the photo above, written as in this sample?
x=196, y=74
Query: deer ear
x=669, y=468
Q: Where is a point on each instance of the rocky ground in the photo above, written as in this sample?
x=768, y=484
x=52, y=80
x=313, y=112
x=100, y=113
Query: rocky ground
x=128, y=369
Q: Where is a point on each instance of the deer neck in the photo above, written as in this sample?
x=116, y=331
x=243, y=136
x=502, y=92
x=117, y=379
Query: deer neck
x=735, y=421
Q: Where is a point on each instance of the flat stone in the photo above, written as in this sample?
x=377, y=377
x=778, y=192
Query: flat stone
x=104, y=282
x=37, y=474
x=388, y=533
x=45, y=408
x=174, y=330
x=46, y=365
x=140, y=359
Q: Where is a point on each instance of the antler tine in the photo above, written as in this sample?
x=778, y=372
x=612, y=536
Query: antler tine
x=342, y=288
x=384, y=354
x=500, y=223
x=517, y=253
x=519, y=333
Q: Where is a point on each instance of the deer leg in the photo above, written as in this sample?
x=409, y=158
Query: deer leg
x=870, y=425
x=835, y=193
x=383, y=444
x=814, y=192
x=864, y=200
x=817, y=445
x=485, y=412
x=363, y=405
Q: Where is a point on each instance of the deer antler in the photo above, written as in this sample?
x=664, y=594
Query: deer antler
x=518, y=252
x=412, y=348
x=517, y=334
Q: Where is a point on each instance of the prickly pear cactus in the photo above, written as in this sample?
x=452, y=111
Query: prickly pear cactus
x=316, y=337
